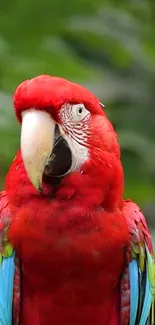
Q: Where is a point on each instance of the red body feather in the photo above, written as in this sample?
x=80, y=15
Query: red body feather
x=72, y=240
x=72, y=252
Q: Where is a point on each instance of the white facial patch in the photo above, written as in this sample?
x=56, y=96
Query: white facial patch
x=75, y=125
x=79, y=153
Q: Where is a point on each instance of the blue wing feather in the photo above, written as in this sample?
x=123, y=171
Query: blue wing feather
x=134, y=291
x=7, y=269
x=3, y=307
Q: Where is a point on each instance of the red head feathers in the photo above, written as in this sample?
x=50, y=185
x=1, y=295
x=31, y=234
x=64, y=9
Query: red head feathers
x=51, y=93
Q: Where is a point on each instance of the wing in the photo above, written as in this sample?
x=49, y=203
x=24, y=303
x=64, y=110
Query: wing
x=9, y=269
x=138, y=281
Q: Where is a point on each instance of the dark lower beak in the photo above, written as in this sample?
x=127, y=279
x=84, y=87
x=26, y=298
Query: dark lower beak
x=60, y=160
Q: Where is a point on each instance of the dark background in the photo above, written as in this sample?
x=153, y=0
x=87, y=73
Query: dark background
x=109, y=47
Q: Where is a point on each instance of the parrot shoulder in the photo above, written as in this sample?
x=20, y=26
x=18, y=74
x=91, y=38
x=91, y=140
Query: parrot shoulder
x=138, y=280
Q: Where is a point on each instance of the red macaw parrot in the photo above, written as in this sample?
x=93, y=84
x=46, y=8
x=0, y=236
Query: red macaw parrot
x=73, y=252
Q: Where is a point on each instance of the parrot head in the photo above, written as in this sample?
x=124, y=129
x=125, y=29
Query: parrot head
x=64, y=130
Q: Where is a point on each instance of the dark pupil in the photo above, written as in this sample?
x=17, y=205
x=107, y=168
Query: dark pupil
x=80, y=110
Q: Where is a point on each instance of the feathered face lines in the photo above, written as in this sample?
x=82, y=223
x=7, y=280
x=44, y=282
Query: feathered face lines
x=75, y=121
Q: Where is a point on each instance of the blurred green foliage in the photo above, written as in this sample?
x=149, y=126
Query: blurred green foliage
x=109, y=47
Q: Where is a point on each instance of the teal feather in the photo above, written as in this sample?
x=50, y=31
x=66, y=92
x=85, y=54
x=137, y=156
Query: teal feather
x=149, y=290
x=147, y=301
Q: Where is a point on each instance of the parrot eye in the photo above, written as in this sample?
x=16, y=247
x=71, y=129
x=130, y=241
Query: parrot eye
x=79, y=112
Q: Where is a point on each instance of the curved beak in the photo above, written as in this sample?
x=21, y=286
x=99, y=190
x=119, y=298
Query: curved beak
x=37, y=139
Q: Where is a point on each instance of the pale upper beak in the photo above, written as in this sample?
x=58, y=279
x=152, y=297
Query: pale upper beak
x=37, y=139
